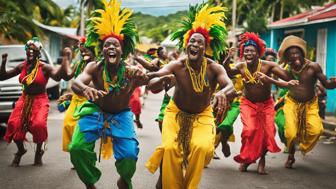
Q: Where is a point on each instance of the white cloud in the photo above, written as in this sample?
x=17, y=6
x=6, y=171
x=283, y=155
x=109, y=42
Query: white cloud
x=155, y=7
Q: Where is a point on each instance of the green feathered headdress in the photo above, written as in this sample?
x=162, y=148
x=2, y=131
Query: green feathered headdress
x=207, y=20
x=112, y=21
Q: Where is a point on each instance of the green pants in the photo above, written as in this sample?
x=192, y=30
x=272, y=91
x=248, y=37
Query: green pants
x=84, y=159
x=164, y=104
x=231, y=116
x=280, y=122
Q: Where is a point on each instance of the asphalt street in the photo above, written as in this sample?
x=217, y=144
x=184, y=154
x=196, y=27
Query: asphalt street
x=314, y=171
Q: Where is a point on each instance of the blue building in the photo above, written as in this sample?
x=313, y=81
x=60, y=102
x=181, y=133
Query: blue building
x=318, y=28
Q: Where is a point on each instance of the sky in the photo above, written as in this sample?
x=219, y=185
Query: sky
x=153, y=7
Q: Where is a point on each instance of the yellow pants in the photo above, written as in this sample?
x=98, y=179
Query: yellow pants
x=307, y=134
x=171, y=154
x=70, y=122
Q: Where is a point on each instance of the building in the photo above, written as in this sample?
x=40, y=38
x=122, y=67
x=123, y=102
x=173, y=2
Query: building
x=318, y=28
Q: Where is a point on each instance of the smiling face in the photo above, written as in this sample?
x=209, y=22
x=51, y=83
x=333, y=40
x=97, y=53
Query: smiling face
x=32, y=52
x=112, y=50
x=196, y=47
x=251, y=54
x=294, y=56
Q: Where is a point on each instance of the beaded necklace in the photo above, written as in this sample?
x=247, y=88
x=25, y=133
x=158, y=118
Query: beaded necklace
x=198, y=80
x=31, y=74
x=117, y=82
x=252, y=78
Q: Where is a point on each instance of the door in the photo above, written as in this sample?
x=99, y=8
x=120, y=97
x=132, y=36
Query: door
x=321, y=49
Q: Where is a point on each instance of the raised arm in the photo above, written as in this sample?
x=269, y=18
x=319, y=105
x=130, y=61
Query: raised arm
x=226, y=63
x=327, y=83
x=81, y=84
x=4, y=74
x=68, y=72
x=61, y=72
x=151, y=66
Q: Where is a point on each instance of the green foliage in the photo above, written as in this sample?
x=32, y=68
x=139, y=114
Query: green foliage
x=16, y=17
x=157, y=28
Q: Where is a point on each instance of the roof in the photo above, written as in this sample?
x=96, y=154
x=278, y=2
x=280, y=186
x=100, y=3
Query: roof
x=68, y=32
x=326, y=13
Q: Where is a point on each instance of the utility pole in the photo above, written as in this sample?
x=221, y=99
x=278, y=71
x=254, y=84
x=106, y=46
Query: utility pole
x=82, y=20
x=233, y=30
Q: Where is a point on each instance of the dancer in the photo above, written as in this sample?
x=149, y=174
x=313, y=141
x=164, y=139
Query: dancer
x=106, y=114
x=303, y=125
x=70, y=122
x=188, y=130
x=256, y=105
x=31, y=110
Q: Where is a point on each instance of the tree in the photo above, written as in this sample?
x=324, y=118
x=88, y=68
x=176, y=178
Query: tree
x=16, y=17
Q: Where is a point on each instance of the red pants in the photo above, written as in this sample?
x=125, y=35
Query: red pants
x=135, y=102
x=258, y=130
x=38, y=120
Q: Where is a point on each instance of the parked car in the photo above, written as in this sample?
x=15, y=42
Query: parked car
x=11, y=89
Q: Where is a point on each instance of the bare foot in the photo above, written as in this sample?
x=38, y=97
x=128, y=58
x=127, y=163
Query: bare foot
x=243, y=167
x=38, y=158
x=90, y=186
x=17, y=158
x=261, y=166
x=122, y=184
x=226, y=149
x=159, y=183
x=290, y=161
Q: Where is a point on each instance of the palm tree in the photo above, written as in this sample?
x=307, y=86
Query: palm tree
x=16, y=17
x=89, y=6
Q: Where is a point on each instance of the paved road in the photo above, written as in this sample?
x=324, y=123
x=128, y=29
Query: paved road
x=315, y=170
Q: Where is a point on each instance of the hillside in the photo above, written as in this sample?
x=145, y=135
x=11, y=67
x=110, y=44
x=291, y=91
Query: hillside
x=157, y=28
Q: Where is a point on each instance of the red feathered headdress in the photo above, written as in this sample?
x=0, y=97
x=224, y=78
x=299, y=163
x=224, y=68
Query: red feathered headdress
x=250, y=38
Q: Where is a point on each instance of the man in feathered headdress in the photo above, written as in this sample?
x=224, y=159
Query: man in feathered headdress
x=107, y=115
x=188, y=130
x=256, y=106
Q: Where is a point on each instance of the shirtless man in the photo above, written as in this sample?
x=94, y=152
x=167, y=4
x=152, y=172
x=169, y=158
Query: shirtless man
x=256, y=107
x=107, y=114
x=303, y=125
x=187, y=107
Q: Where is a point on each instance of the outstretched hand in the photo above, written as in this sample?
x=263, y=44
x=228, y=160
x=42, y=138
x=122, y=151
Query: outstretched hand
x=93, y=94
x=293, y=83
x=262, y=77
x=4, y=58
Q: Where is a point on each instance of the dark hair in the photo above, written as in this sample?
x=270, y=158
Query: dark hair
x=159, y=49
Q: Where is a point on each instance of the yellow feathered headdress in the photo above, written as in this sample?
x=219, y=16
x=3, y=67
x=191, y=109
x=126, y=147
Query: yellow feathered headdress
x=112, y=21
x=208, y=21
